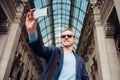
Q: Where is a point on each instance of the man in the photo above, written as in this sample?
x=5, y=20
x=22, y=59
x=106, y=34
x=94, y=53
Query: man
x=69, y=66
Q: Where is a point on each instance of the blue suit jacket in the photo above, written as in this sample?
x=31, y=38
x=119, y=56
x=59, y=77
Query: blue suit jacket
x=48, y=54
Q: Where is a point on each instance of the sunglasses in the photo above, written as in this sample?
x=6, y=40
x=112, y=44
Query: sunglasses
x=67, y=35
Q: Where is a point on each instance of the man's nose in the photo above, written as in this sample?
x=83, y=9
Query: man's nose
x=66, y=36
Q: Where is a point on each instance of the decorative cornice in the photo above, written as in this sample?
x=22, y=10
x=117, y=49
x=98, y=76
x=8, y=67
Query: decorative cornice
x=106, y=10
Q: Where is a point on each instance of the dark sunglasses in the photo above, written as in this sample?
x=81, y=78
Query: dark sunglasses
x=68, y=35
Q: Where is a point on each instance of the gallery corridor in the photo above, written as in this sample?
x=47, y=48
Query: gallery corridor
x=96, y=24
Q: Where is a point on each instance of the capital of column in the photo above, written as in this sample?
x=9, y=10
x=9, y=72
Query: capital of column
x=20, y=14
x=96, y=13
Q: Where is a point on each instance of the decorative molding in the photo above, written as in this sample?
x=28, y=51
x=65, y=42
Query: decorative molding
x=106, y=10
x=110, y=30
x=4, y=26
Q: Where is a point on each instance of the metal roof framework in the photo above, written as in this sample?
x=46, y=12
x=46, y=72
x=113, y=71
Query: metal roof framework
x=62, y=14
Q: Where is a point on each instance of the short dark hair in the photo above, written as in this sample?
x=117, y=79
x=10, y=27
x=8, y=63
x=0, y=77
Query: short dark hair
x=69, y=29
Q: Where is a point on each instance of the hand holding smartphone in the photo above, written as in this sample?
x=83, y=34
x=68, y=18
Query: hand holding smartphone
x=40, y=12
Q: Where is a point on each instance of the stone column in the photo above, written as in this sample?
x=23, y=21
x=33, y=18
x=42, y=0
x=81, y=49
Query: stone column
x=9, y=51
x=117, y=6
x=101, y=50
x=112, y=53
x=113, y=59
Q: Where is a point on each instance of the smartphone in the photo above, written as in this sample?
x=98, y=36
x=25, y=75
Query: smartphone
x=40, y=12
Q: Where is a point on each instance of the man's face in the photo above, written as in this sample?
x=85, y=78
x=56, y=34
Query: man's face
x=67, y=38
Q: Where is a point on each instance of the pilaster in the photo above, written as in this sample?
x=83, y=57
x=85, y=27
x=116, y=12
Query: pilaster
x=9, y=50
x=101, y=50
x=112, y=53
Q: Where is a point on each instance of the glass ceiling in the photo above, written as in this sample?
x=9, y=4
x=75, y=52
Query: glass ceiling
x=62, y=14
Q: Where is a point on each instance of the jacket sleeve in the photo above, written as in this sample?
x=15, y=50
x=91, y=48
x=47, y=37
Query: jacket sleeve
x=84, y=72
x=40, y=50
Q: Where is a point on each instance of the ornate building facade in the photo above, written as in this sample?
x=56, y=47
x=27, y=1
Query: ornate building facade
x=17, y=61
x=100, y=40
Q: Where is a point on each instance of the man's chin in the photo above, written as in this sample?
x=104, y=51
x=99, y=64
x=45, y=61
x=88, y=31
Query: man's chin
x=66, y=45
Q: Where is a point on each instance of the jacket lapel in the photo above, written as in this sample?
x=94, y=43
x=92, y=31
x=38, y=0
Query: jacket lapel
x=78, y=67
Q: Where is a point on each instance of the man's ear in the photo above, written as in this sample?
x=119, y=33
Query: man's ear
x=74, y=39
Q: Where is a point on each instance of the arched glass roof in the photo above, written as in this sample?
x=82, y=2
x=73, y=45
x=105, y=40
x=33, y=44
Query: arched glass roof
x=62, y=14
